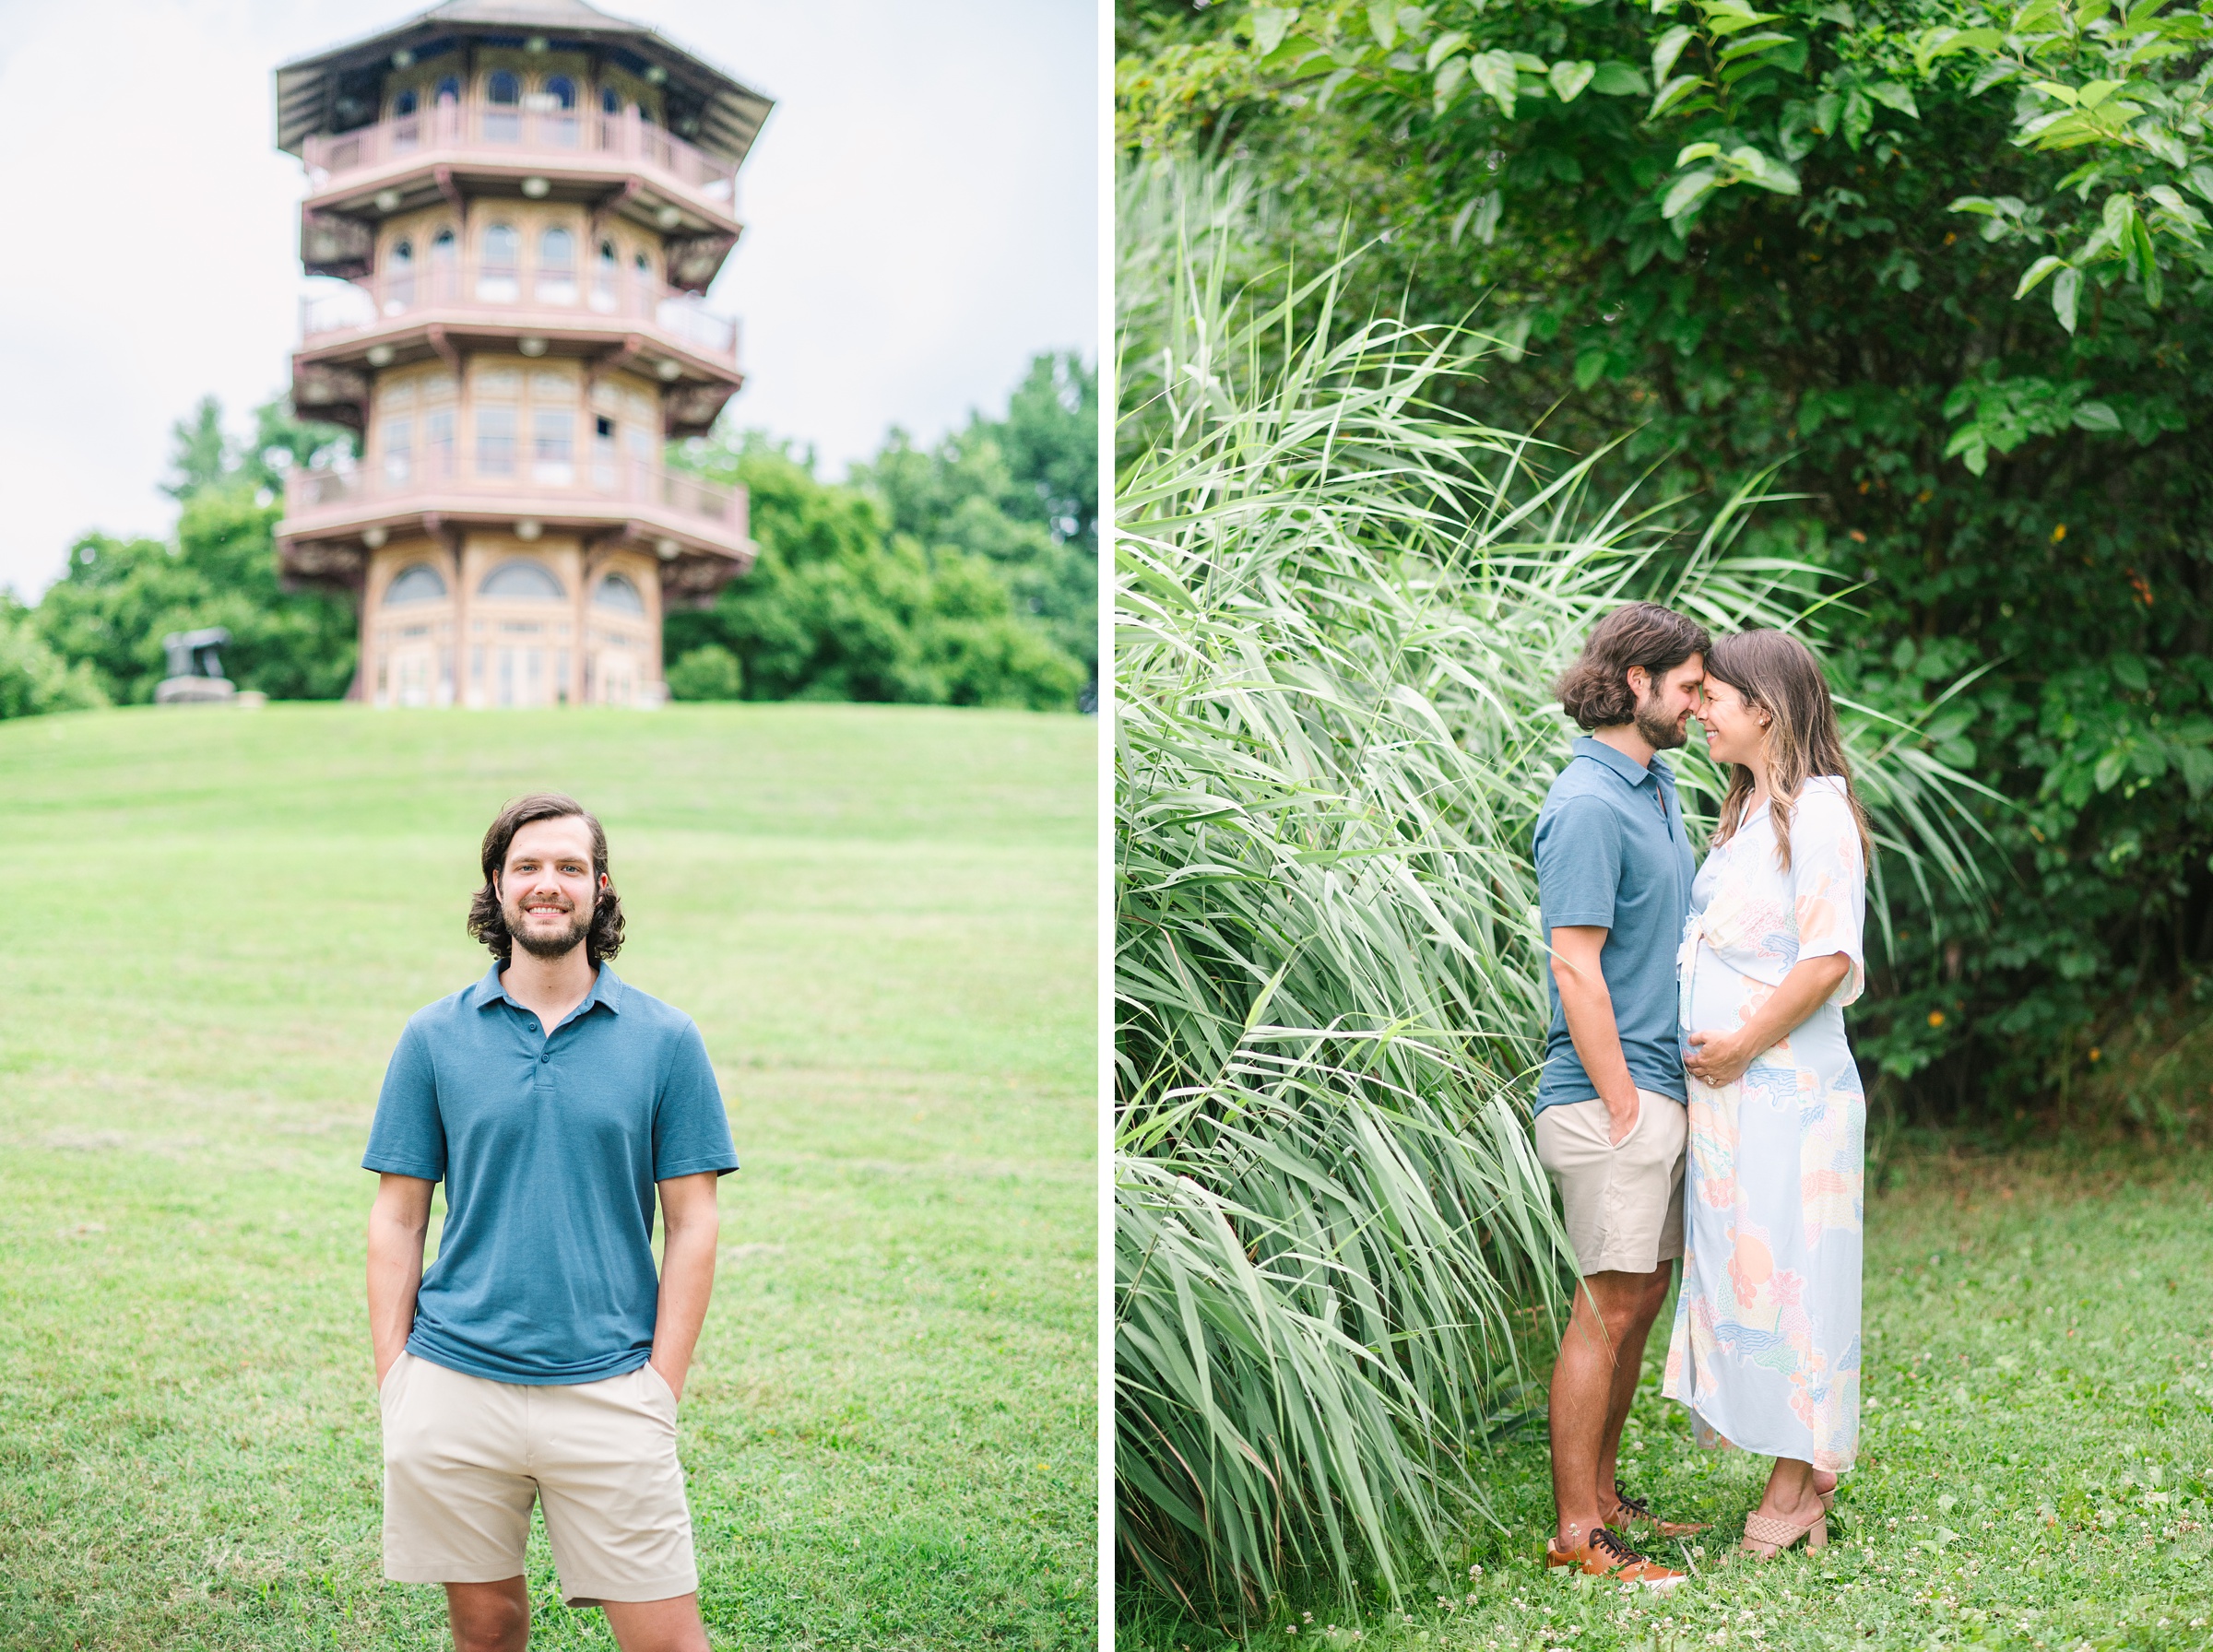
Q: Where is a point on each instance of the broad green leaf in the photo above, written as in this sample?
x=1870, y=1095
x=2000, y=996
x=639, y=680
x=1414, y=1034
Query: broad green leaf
x=1764, y=170
x=1859, y=114
x=1982, y=205
x=1383, y=22
x=2065, y=292
x=2096, y=415
x=2037, y=272
x=1493, y=72
x=1669, y=48
x=1727, y=23
x=1893, y=96
x=2110, y=769
x=1696, y=152
x=1686, y=192
x=2053, y=90
x=1620, y=80
x=1589, y=365
x=2098, y=91
x=1270, y=24
x=1447, y=81
x=2196, y=764
x=2200, y=178
x=1451, y=41
x=1570, y=79
x=1751, y=45
x=1672, y=93
x=2146, y=259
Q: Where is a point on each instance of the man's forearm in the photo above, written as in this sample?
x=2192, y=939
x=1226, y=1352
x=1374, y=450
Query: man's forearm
x=687, y=1283
x=1589, y=1009
x=394, y=1277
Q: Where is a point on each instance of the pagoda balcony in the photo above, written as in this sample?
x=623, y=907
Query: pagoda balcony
x=610, y=163
x=331, y=516
x=508, y=300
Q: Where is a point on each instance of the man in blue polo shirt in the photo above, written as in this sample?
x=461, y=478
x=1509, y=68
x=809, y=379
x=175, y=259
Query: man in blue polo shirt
x=541, y=1358
x=1614, y=874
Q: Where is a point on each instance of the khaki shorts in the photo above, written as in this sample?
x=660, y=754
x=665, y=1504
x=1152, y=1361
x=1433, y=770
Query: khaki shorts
x=465, y=1457
x=1623, y=1205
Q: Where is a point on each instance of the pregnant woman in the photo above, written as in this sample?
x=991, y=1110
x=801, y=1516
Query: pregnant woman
x=1766, y=1346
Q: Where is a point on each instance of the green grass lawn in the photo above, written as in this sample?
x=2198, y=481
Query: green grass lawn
x=2037, y=1462
x=214, y=924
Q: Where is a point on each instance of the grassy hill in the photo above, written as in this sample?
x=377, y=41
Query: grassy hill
x=214, y=925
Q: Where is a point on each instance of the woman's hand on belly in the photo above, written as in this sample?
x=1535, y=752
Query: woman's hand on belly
x=1719, y=1058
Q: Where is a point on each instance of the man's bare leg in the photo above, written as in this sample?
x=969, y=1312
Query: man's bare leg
x=671, y=1625
x=1608, y=1308
x=1628, y=1372
x=489, y=1616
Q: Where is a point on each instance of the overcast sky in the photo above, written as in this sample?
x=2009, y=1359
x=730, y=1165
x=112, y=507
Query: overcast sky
x=920, y=212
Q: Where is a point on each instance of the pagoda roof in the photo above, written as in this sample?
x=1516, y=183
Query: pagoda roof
x=320, y=93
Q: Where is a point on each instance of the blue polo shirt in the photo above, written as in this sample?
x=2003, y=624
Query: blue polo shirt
x=1611, y=853
x=548, y=1145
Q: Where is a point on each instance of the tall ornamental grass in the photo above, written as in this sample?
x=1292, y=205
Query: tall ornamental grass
x=1340, y=615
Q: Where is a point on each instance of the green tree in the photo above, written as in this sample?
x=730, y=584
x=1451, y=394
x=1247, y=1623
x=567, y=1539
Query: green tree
x=1727, y=238
x=118, y=599
x=840, y=605
x=1020, y=491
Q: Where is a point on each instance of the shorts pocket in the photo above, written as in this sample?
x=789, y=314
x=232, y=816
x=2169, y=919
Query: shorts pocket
x=657, y=1387
x=384, y=1389
x=1644, y=1105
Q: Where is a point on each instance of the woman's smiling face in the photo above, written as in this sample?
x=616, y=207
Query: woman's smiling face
x=1736, y=729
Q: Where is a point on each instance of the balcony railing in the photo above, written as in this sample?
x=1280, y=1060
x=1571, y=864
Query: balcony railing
x=554, y=135
x=542, y=475
x=612, y=293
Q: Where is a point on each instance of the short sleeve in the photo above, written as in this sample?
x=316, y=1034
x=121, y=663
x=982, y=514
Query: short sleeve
x=690, y=1132
x=1578, y=864
x=407, y=1137
x=1828, y=884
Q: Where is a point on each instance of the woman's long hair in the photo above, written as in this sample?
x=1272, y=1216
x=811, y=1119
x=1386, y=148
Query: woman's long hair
x=1778, y=675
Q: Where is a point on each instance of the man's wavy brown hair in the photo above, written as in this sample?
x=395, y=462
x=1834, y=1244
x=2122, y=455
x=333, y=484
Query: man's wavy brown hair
x=1595, y=690
x=488, y=924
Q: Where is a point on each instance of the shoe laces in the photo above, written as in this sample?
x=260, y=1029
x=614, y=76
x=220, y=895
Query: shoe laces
x=1636, y=1505
x=1618, y=1552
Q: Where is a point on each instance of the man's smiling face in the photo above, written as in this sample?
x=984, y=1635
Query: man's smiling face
x=546, y=889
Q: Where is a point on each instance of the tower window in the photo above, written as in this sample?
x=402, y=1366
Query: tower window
x=563, y=91
x=504, y=120
x=420, y=583
x=617, y=592
x=557, y=267
x=449, y=91
x=610, y=101
x=497, y=282
x=552, y=456
x=528, y=581
x=495, y=441
x=406, y=103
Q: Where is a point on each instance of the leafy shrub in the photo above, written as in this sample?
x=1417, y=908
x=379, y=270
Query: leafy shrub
x=708, y=672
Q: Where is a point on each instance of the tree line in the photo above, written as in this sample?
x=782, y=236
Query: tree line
x=960, y=573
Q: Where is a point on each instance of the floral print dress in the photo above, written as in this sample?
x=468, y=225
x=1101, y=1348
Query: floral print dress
x=1766, y=1346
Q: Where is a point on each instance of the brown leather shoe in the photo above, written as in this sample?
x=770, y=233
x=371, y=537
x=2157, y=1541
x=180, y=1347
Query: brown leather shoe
x=1635, y=1511
x=1603, y=1555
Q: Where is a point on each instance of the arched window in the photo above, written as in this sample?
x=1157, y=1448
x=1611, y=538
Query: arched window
x=499, y=280
x=617, y=592
x=610, y=101
x=399, y=285
x=556, y=268
x=420, y=583
x=524, y=582
x=449, y=91
x=406, y=103
x=503, y=119
x=607, y=274
x=563, y=91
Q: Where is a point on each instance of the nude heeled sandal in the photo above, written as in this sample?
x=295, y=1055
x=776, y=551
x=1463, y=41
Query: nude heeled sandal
x=1765, y=1529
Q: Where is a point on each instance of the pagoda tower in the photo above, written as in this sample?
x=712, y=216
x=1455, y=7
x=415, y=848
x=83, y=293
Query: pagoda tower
x=525, y=199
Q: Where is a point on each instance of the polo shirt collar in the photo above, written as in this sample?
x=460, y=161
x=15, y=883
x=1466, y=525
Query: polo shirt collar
x=1657, y=770
x=607, y=989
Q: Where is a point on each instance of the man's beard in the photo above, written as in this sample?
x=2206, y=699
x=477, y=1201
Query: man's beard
x=1660, y=733
x=548, y=946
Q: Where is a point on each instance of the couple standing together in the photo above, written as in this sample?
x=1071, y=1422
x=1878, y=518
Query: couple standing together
x=1699, y=1097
